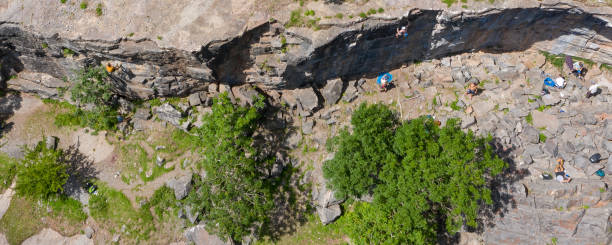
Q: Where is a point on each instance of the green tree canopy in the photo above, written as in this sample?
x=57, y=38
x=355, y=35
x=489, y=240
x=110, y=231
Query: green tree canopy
x=235, y=196
x=434, y=176
x=42, y=173
x=360, y=155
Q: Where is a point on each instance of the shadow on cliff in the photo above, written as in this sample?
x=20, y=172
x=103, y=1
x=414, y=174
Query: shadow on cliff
x=375, y=48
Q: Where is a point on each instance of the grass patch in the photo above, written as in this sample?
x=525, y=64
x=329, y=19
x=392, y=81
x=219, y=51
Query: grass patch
x=454, y=106
x=8, y=169
x=312, y=232
x=605, y=67
x=585, y=207
x=131, y=34
x=21, y=220
x=83, y=5
x=68, y=208
x=44, y=45
x=68, y=52
x=542, y=138
x=449, y=3
x=159, y=38
x=543, y=107
x=553, y=241
x=297, y=20
x=529, y=118
x=339, y=15
x=101, y=118
x=62, y=1
x=99, y=9
x=555, y=60
x=381, y=10
x=163, y=203
x=114, y=209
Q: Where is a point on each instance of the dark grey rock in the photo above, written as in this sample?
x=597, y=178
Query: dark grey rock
x=88, y=232
x=192, y=215
x=293, y=140
x=329, y=214
x=194, y=99
x=580, y=162
x=246, y=94
x=458, y=76
x=467, y=121
x=530, y=135
x=180, y=185
x=168, y=113
x=350, y=94
x=332, y=91
x=51, y=142
x=307, y=126
x=199, y=236
x=142, y=113
x=308, y=100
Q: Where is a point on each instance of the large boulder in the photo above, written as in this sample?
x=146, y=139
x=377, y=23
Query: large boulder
x=199, y=236
x=329, y=214
x=168, y=113
x=307, y=101
x=50, y=237
x=180, y=185
x=332, y=91
x=246, y=94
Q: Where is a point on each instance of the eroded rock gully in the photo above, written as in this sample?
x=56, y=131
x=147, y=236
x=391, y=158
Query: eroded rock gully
x=299, y=65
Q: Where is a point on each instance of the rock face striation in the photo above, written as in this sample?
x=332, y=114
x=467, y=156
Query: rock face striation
x=271, y=56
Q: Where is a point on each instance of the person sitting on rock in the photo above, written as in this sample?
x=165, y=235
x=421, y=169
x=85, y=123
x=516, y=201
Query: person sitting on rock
x=401, y=32
x=593, y=90
x=384, y=83
x=472, y=90
x=560, y=172
x=110, y=68
x=578, y=69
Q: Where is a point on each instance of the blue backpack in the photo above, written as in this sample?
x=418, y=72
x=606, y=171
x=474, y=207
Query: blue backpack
x=600, y=173
x=549, y=82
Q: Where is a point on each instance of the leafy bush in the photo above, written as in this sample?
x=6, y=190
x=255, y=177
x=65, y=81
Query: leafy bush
x=360, y=155
x=424, y=178
x=99, y=9
x=90, y=88
x=235, y=172
x=8, y=169
x=42, y=173
x=83, y=5
x=162, y=201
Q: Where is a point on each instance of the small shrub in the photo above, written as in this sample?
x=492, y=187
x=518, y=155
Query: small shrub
x=381, y=10
x=68, y=52
x=371, y=11
x=131, y=34
x=542, y=138
x=42, y=173
x=363, y=15
x=301, y=3
x=529, y=118
x=309, y=13
x=449, y=3
x=45, y=45
x=8, y=170
x=350, y=16
x=159, y=38
x=99, y=9
x=553, y=241
x=339, y=15
x=62, y=1
x=83, y=5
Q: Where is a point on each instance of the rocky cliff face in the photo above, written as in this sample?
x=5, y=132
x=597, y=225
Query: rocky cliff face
x=271, y=56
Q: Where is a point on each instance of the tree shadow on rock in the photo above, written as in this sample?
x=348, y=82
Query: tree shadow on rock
x=8, y=105
x=291, y=202
x=502, y=188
